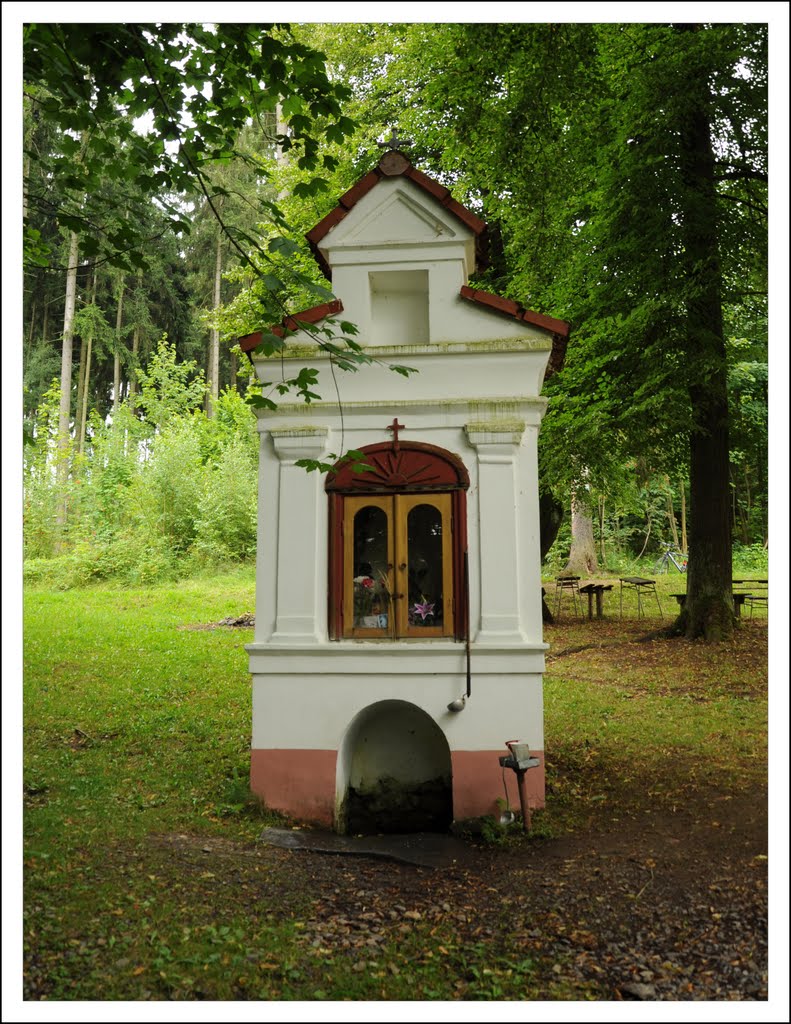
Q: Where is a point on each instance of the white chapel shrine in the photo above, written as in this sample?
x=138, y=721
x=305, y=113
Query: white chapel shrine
x=398, y=642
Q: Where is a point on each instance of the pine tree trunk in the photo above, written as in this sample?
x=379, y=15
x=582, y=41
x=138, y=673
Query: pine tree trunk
x=117, y=357
x=85, y=374
x=133, y=374
x=281, y=128
x=64, y=413
x=135, y=352
x=84, y=407
x=79, y=428
x=214, y=336
x=45, y=321
x=80, y=390
x=29, y=346
x=708, y=610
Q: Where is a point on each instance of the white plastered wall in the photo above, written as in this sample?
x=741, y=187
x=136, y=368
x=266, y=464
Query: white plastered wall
x=476, y=395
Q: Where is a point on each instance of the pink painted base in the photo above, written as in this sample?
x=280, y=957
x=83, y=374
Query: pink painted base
x=478, y=783
x=301, y=783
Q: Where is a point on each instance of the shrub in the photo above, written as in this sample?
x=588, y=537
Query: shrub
x=168, y=492
x=226, y=524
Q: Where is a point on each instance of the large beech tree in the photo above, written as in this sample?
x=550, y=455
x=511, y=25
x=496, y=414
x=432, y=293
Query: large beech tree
x=622, y=171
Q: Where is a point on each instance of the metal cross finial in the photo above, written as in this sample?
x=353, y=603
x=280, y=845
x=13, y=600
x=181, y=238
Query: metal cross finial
x=394, y=142
x=395, y=426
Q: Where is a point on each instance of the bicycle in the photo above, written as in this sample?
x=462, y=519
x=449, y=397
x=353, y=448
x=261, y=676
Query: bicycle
x=670, y=555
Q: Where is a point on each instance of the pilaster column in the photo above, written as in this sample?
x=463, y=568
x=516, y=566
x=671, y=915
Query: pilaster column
x=300, y=584
x=497, y=444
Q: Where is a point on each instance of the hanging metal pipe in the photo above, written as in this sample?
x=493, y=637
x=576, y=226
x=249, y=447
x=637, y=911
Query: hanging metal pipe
x=461, y=702
x=467, y=619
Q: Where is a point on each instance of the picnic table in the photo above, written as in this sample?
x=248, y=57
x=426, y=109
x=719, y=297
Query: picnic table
x=563, y=584
x=750, y=598
x=740, y=597
x=738, y=601
x=597, y=589
x=642, y=586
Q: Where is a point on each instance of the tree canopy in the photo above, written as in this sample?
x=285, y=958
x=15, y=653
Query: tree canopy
x=621, y=169
x=196, y=87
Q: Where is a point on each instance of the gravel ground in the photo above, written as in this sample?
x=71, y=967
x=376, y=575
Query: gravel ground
x=672, y=908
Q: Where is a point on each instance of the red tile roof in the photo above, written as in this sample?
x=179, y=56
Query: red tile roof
x=559, y=328
x=396, y=164
x=292, y=323
x=392, y=165
x=511, y=308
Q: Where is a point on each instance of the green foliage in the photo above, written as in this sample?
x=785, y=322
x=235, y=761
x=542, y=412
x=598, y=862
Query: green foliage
x=230, y=424
x=168, y=388
x=41, y=459
x=751, y=559
x=200, y=86
x=227, y=518
x=147, y=501
x=170, y=488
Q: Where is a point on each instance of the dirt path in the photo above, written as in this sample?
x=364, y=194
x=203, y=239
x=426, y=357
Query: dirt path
x=667, y=907
x=666, y=903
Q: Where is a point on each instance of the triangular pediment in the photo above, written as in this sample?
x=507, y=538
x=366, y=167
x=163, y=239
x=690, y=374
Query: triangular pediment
x=402, y=217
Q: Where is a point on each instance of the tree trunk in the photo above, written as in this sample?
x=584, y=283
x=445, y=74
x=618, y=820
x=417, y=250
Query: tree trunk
x=671, y=516
x=45, y=321
x=132, y=373
x=135, y=351
x=281, y=128
x=81, y=380
x=29, y=346
x=85, y=373
x=80, y=389
x=64, y=413
x=84, y=408
x=602, y=552
x=708, y=610
x=684, y=547
x=214, y=336
x=117, y=357
x=550, y=516
x=582, y=557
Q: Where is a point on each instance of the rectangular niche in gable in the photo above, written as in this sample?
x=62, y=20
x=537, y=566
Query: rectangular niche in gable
x=399, y=307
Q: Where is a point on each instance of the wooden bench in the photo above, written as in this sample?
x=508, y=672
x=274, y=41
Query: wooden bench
x=598, y=589
x=751, y=598
x=738, y=600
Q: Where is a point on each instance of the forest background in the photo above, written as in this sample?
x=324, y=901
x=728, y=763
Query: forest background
x=577, y=169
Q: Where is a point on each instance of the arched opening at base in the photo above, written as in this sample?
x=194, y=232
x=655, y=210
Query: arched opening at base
x=394, y=773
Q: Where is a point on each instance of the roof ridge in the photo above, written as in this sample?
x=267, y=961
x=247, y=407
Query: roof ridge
x=392, y=164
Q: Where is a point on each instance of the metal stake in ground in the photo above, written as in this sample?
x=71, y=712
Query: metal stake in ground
x=520, y=761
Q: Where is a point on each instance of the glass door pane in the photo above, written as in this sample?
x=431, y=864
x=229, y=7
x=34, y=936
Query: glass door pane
x=424, y=566
x=368, y=566
x=424, y=561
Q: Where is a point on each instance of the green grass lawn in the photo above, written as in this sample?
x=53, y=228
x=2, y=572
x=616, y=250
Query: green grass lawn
x=137, y=730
